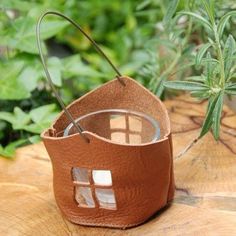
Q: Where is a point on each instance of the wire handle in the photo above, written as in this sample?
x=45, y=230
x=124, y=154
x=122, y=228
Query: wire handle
x=43, y=60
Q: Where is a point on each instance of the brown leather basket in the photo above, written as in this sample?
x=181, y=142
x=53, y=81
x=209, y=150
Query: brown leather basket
x=100, y=180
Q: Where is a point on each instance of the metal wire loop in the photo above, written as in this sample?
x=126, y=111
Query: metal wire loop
x=43, y=60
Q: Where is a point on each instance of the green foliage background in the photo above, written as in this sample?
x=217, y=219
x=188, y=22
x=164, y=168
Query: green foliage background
x=143, y=38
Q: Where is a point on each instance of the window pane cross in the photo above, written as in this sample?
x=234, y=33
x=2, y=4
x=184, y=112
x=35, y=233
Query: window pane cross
x=93, y=188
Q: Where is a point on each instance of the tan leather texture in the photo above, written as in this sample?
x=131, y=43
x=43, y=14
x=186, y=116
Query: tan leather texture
x=142, y=175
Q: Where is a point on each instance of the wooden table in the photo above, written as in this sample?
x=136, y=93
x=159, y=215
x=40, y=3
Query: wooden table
x=205, y=201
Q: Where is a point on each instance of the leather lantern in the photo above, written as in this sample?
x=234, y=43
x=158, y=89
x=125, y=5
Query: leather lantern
x=141, y=179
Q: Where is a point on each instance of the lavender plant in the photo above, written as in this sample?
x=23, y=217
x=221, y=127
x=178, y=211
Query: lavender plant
x=216, y=57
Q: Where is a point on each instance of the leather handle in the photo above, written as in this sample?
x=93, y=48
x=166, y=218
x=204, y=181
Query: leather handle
x=43, y=60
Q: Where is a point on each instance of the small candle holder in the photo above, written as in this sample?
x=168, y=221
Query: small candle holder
x=119, y=125
x=111, y=152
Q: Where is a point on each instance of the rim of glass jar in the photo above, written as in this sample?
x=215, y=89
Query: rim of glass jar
x=154, y=123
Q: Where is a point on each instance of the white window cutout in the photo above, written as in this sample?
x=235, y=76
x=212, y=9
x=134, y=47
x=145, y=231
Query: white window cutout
x=119, y=137
x=85, y=192
x=102, y=177
x=106, y=198
x=83, y=196
x=117, y=122
x=135, y=124
x=80, y=175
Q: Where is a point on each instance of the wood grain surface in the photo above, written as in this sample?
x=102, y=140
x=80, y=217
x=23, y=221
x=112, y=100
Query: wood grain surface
x=205, y=201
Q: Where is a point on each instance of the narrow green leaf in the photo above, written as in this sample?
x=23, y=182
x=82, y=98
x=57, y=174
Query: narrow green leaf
x=231, y=86
x=198, y=17
x=217, y=115
x=231, y=89
x=209, y=7
x=201, y=52
x=228, y=53
x=186, y=85
x=210, y=40
x=209, y=116
x=232, y=76
x=160, y=89
x=212, y=60
x=212, y=8
x=198, y=78
x=223, y=21
x=171, y=9
x=200, y=94
x=209, y=69
x=143, y=4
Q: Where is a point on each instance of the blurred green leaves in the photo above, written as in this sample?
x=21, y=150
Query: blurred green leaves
x=224, y=21
x=10, y=87
x=197, y=17
x=9, y=150
x=180, y=44
x=31, y=123
x=21, y=34
x=74, y=65
x=171, y=9
x=35, y=121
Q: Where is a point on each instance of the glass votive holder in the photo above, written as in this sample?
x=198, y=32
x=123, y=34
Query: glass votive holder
x=119, y=125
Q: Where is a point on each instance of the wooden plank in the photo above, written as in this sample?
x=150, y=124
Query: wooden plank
x=205, y=202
